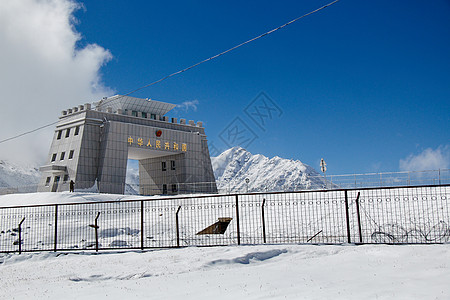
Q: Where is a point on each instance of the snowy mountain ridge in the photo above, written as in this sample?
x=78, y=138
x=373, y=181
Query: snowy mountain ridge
x=235, y=165
x=15, y=175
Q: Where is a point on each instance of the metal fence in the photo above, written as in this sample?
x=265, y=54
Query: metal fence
x=382, y=215
x=346, y=181
x=390, y=179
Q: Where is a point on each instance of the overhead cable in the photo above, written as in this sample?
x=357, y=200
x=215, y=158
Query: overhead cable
x=193, y=66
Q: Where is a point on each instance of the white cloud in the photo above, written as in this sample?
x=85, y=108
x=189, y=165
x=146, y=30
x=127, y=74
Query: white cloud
x=188, y=105
x=428, y=159
x=42, y=72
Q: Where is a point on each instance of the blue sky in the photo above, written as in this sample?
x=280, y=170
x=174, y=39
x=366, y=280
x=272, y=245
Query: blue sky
x=363, y=84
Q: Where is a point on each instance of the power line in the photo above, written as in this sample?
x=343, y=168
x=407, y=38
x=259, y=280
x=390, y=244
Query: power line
x=25, y=133
x=229, y=50
x=194, y=65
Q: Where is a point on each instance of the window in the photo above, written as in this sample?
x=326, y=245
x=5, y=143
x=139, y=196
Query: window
x=59, y=135
x=172, y=165
x=153, y=116
x=67, y=132
x=163, y=166
x=62, y=155
x=77, y=130
x=164, y=189
x=71, y=154
x=134, y=113
x=144, y=115
x=53, y=157
x=66, y=177
x=47, y=181
x=57, y=179
x=174, y=188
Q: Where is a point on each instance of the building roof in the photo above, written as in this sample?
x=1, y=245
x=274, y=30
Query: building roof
x=135, y=104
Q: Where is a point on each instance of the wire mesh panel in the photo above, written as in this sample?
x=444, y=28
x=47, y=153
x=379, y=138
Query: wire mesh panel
x=76, y=226
x=119, y=225
x=308, y=217
x=27, y=228
x=182, y=222
x=402, y=215
x=104, y=225
x=159, y=223
x=208, y=221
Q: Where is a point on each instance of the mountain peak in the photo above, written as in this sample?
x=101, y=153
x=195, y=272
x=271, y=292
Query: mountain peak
x=15, y=175
x=233, y=166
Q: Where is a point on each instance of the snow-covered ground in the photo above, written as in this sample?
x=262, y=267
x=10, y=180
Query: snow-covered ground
x=234, y=272
x=63, y=197
x=240, y=272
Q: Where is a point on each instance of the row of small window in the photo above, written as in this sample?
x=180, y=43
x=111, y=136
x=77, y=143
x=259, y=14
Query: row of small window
x=57, y=178
x=164, y=165
x=174, y=188
x=62, y=155
x=60, y=132
x=144, y=114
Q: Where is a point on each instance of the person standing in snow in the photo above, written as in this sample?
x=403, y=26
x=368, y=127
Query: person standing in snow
x=72, y=186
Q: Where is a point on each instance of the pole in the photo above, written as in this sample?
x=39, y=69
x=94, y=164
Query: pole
x=263, y=221
x=347, y=217
x=323, y=168
x=56, y=228
x=96, y=232
x=177, y=226
x=359, y=218
x=142, y=224
x=237, y=221
x=20, y=235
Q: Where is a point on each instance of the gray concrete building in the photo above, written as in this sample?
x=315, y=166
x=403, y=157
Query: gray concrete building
x=93, y=143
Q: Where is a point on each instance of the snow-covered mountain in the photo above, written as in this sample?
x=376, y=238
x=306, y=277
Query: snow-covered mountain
x=132, y=181
x=235, y=165
x=25, y=178
x=18, y=177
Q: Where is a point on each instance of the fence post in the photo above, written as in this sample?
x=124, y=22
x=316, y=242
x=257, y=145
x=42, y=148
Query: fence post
x=263, y=220
x=359, y=218
x=20, y=235
x=142, y=224
x=56, y=228
x=95, y=226
x=96, y=232
x=237, y=221
x=177, y=225
x=347, y=217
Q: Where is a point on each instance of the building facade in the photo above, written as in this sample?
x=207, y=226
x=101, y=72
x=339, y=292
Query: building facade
x=92, y=145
